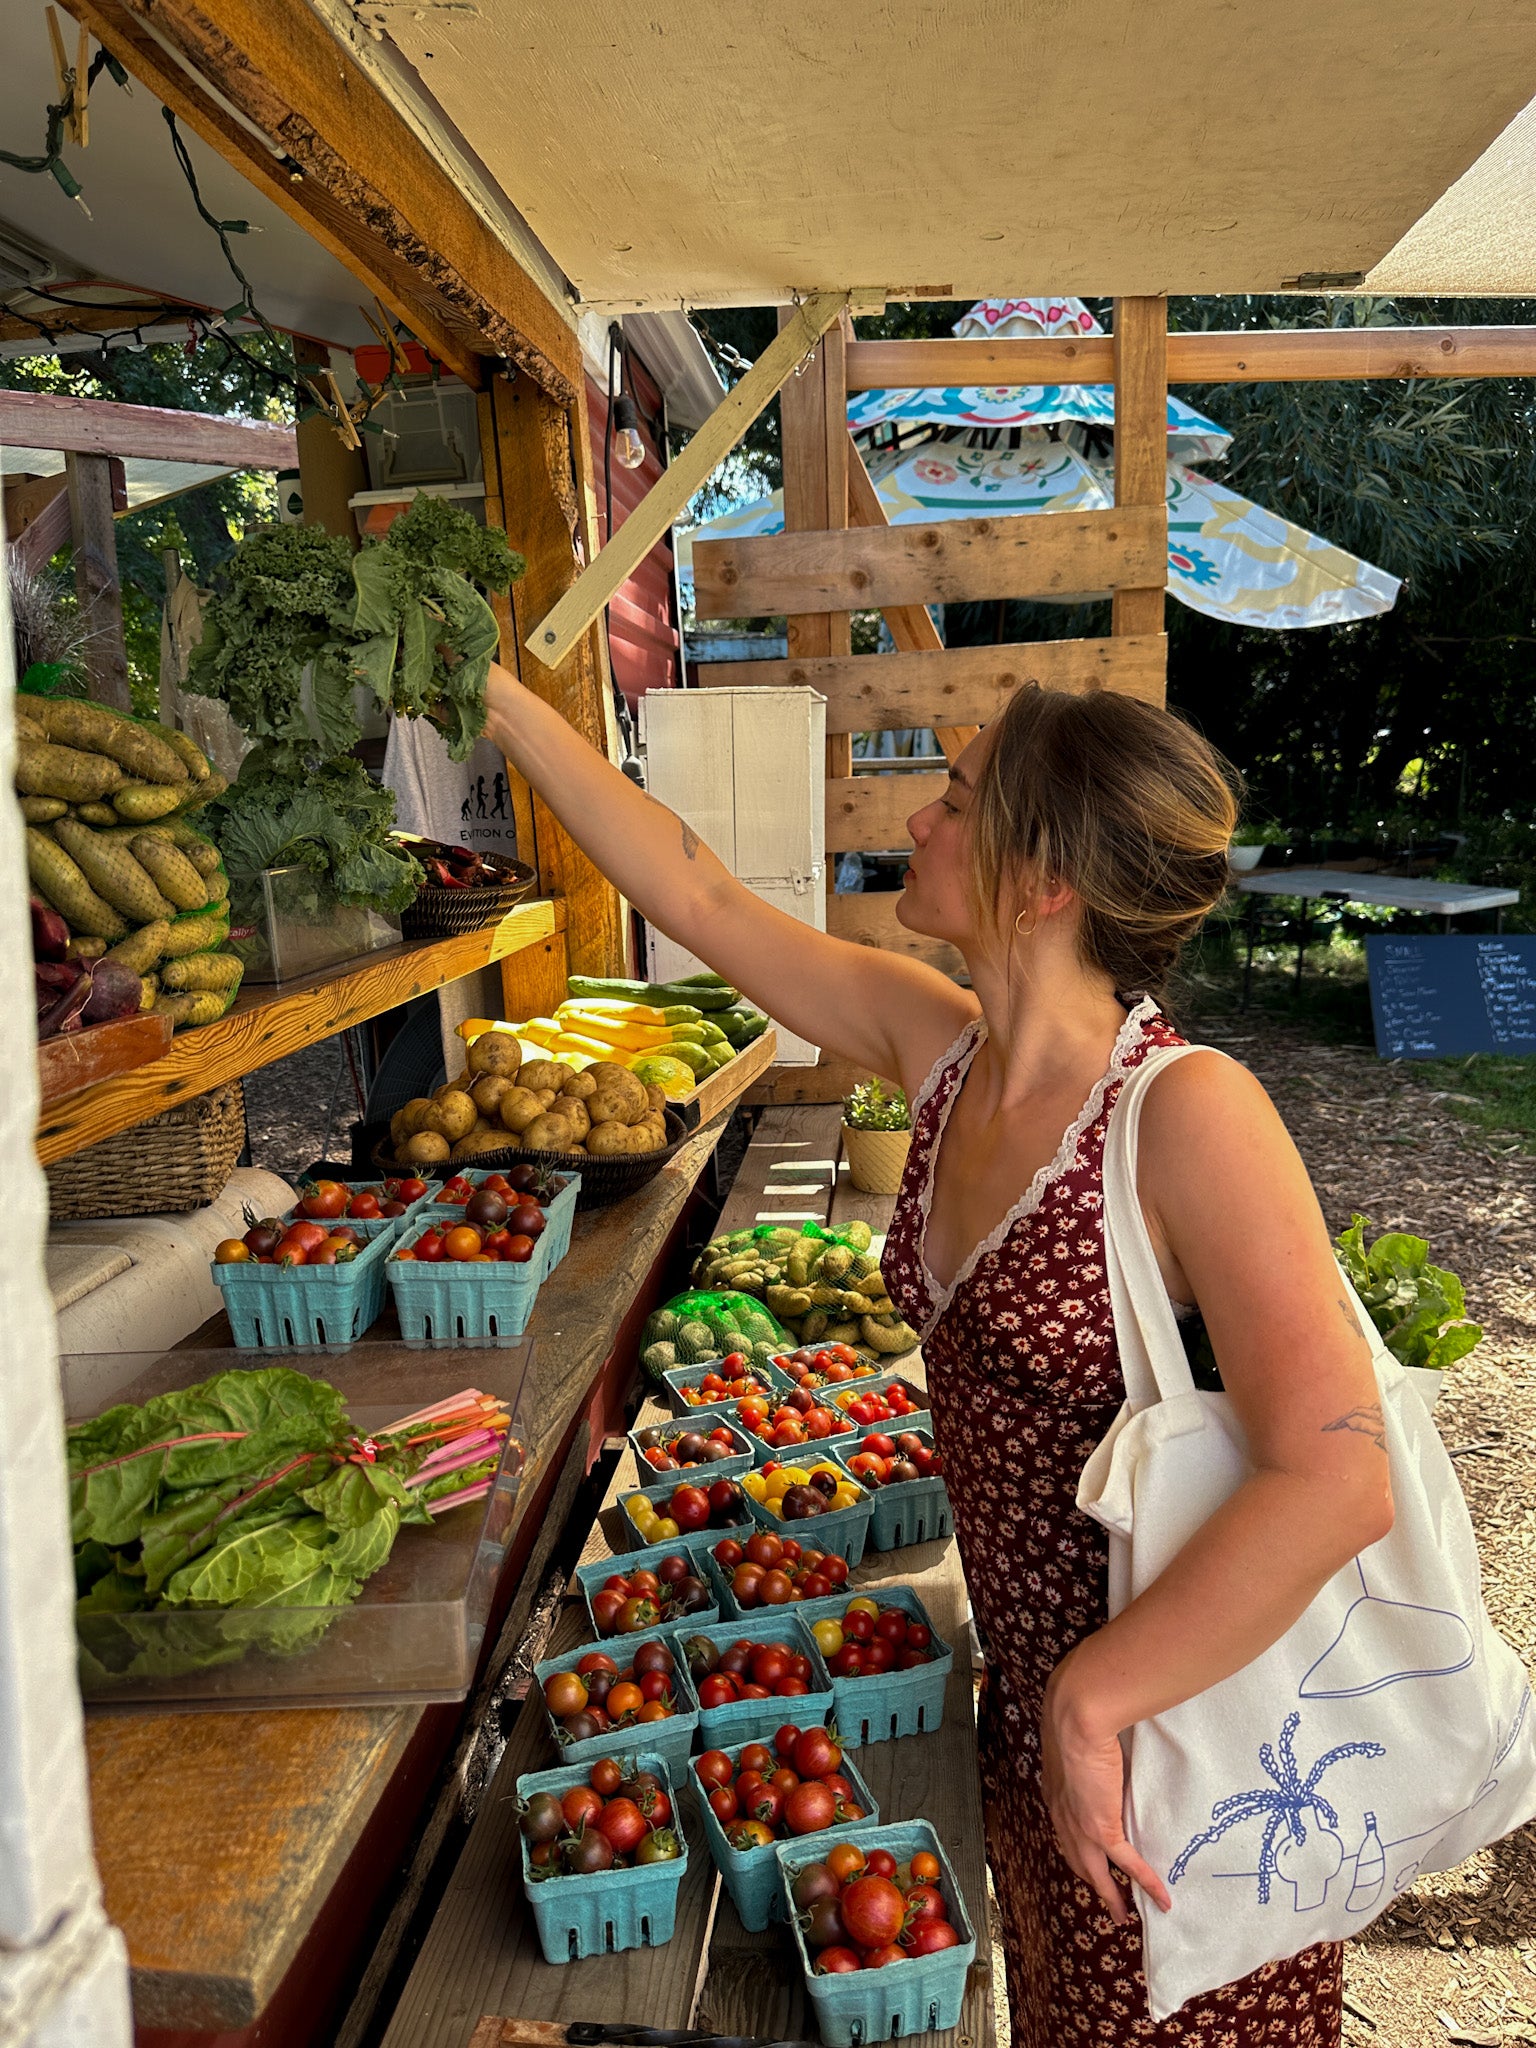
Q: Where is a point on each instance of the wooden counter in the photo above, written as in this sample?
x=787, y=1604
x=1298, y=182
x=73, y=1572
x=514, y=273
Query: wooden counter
x=221, y=1837
x=482, y=1953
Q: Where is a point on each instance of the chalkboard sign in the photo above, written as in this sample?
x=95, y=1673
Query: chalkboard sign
x=1456, y=994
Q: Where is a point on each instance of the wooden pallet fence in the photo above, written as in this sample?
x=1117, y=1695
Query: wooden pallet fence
x=961, y=561
x=867, y=813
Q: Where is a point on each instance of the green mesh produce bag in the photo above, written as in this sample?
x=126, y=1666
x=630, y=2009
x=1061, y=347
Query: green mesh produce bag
x=708, y=1323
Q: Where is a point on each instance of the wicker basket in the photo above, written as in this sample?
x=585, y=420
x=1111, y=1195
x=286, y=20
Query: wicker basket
x=876, y=1159
x=179, y=1160
x=445, y=913
x=602, y=1180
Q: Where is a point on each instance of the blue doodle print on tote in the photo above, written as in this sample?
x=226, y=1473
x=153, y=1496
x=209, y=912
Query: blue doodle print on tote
x=1367, y=1652
x=1283, y=1806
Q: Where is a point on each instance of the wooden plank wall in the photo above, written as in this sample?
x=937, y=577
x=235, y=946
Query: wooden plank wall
x=824, y=567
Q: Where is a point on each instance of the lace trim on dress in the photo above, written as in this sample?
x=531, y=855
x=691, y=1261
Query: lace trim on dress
x=940, y=1067
x=1125, y=1044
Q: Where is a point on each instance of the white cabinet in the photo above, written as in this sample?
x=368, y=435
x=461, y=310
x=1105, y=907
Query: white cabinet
x=746, y=769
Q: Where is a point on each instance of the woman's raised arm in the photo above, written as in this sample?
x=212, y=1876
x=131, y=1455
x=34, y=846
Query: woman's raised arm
x=887, y=1013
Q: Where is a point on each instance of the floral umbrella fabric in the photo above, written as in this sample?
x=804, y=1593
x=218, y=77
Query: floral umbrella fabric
x=1227, y=557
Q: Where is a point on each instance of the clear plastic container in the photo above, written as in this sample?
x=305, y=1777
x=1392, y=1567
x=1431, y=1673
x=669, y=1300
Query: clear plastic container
x=414, y=1634
x=300, y=925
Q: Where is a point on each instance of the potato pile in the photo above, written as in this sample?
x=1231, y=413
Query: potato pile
x=503, y=1100
x=110, y=848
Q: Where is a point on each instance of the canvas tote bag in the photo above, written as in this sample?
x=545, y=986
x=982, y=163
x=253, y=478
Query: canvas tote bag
x=1388, y=1732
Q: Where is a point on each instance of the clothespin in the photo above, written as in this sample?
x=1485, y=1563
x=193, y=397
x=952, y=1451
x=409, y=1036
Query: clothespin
x=61, y=78
x=399, y=361
x=340, y=415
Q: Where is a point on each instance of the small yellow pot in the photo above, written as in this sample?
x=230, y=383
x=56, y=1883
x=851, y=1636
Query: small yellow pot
x=876, y=1159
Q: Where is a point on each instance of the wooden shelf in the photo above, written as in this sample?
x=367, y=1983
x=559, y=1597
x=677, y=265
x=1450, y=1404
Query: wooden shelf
x=267, y=1024
x=726, y=1084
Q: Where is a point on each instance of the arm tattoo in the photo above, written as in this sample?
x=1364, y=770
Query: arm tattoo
x=1349, y=1315
x=690, y=841
x=1365, y=1422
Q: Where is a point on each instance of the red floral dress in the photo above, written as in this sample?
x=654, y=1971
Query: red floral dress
x=1024, y=1380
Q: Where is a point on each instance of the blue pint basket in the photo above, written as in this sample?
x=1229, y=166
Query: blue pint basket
x=911, y=1511
x=671, y=1739
x=752, y=1875
x=841, y=1530
x=555, y=1239
x=742, y=1458
x=883, y=1704
x=291, y=1308
x=590, y=1577
x=758, y=1720
x=615, y=1909
x=447, y=1302
x=921, y=1995
x=660, y=1493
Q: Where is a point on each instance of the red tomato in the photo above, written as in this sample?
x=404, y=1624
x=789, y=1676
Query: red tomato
x=293, y=1252
x=728, y=1553
x=919, y=1635
x=929, y=1937
x=847, y=1662
x=880, y=1446
x=878, y=1958
x=816, y=1754
x=891, y=1625
x=718, y=1690
x=723, y=1805
x=858, y=1627
x=323, y=1255
x=836, y=1962
x=365, y=1206
x=519, y=1251
x=924, y=1902
x=581, y=1805
x=773, y=1590
x=713, y=1768
x=809, y=1808
x=755, y=1692
x=429, y=1246
x=689, y=1508
x=497, y=1243
x=655, y=1685
x=306, y=1234
x=624, y=1824
x=748, y=1834
x=835, y=1569
x=879, y=1656
x=410, y=1190
x=880, y=1862
x=785, y=1739
x=324, y=1198
x=597, y=1660
x=873, y=1910
x=756, y=1756
x=800, y=1667
x=815, y=1586
x=765, y=1549
x=767, y=1805
x=791, y=1689
x=605, y=1776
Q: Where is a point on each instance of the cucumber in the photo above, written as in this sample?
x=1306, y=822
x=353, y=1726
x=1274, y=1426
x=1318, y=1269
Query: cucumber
x=660, y=994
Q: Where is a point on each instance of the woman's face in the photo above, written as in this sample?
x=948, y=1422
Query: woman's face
x=935, y=896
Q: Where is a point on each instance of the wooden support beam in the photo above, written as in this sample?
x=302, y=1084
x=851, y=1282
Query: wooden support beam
x=100, y=426
x=537, y=498
x=1141, y=447
x=814, y=442
x=313, y=132
x=1265, y=355
x=1050, y=554
x=895, y=692
x=869, y=813
x=560, y=630
x=97, y=583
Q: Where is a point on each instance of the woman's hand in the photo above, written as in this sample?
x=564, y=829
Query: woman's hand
x=1082, y=1773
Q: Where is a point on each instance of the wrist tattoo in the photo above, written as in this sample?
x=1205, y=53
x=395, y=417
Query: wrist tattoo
x=1365, y=1422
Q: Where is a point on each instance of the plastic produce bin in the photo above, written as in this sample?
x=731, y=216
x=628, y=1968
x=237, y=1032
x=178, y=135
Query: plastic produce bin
x=554, y=1241
x=912, y=1511
x=671, y=1739
x=752, y=1875
x=759, y=1720
x=679, y=1376
x=742, y=1459
x=591, y=1577
x=886, y=1703
x=842, y=1531
x=921, y=1995
x=660, y=1494
x=288, y=1308
x=615, y=1909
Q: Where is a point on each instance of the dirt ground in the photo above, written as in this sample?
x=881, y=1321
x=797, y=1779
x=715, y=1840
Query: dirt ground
x=1455, y=1959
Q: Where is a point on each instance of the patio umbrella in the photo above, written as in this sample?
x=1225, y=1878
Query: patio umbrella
x=1227, y=557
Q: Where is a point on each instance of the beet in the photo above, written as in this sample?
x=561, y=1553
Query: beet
x=50, y=934
x=116, y=992
x=63, y=989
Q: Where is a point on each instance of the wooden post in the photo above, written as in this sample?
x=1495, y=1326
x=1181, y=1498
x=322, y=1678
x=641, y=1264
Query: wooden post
x=330, y=473
x=1141, y=438
x=813, y=423
x=535, y=490
x=96, y=578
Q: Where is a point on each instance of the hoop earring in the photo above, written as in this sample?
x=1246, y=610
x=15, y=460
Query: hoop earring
x=1018, y=924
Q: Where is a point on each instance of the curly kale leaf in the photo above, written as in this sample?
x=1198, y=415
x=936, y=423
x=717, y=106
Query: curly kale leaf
x=334, y=820
x=437, y=535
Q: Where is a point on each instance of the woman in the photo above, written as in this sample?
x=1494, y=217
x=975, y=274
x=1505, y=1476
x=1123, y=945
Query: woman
x=1078, y=845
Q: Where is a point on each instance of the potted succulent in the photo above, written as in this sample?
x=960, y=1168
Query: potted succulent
x=877, y=1133
x=1248, y=844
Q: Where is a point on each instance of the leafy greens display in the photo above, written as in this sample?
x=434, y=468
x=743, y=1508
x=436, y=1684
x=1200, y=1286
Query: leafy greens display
x=249, y=1493
x=334, y=820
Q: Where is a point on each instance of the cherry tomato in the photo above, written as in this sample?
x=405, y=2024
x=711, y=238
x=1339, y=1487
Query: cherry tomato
x=713, y=1768
x=605, y=1776
x=232, y=1251
x=929, y=1936
x=845, y=1860
x=462, y=1242
x=519, y=1251
x=564, y=1693
x=874, y=1911
x=429, y=1246
x=836, y=1962
x=527, y=1220
x=580, y=1805
x=324, y=1198
x=878, y=1958
x=498, y=1241
x=409, y=1190
x=880, y=1863
x=925, y=1868
x=365, y=1206
x=748, y=1834
x=723, y=1805
x=624, y=1825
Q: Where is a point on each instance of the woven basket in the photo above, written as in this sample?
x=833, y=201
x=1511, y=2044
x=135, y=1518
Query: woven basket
x=602, y=1180
x=876, y=1159
x=179, y=1160
x=445, y=913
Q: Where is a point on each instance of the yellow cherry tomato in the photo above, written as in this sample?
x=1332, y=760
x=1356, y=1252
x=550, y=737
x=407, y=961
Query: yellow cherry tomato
x=829, y=1637
x=845, y=1497
x=756, y=1485
x=232, y=1251
x=663, y=1530
x=862, y=1606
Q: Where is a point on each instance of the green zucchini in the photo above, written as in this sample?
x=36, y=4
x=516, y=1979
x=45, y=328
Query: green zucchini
x=660, y=994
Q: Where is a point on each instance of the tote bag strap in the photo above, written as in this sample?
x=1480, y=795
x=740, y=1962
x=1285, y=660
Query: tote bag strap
x=1152, y=1356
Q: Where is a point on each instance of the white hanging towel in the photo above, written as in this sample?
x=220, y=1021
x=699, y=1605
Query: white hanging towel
x=464, y=802
x=1387, y=1733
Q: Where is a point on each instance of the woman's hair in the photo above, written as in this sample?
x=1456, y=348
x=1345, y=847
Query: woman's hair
x=1126, y=804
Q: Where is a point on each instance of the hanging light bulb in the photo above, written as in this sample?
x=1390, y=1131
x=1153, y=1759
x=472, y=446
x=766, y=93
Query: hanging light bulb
x=628, y=448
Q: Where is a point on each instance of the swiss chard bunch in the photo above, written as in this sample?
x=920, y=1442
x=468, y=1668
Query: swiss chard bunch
x=1419, y=1308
